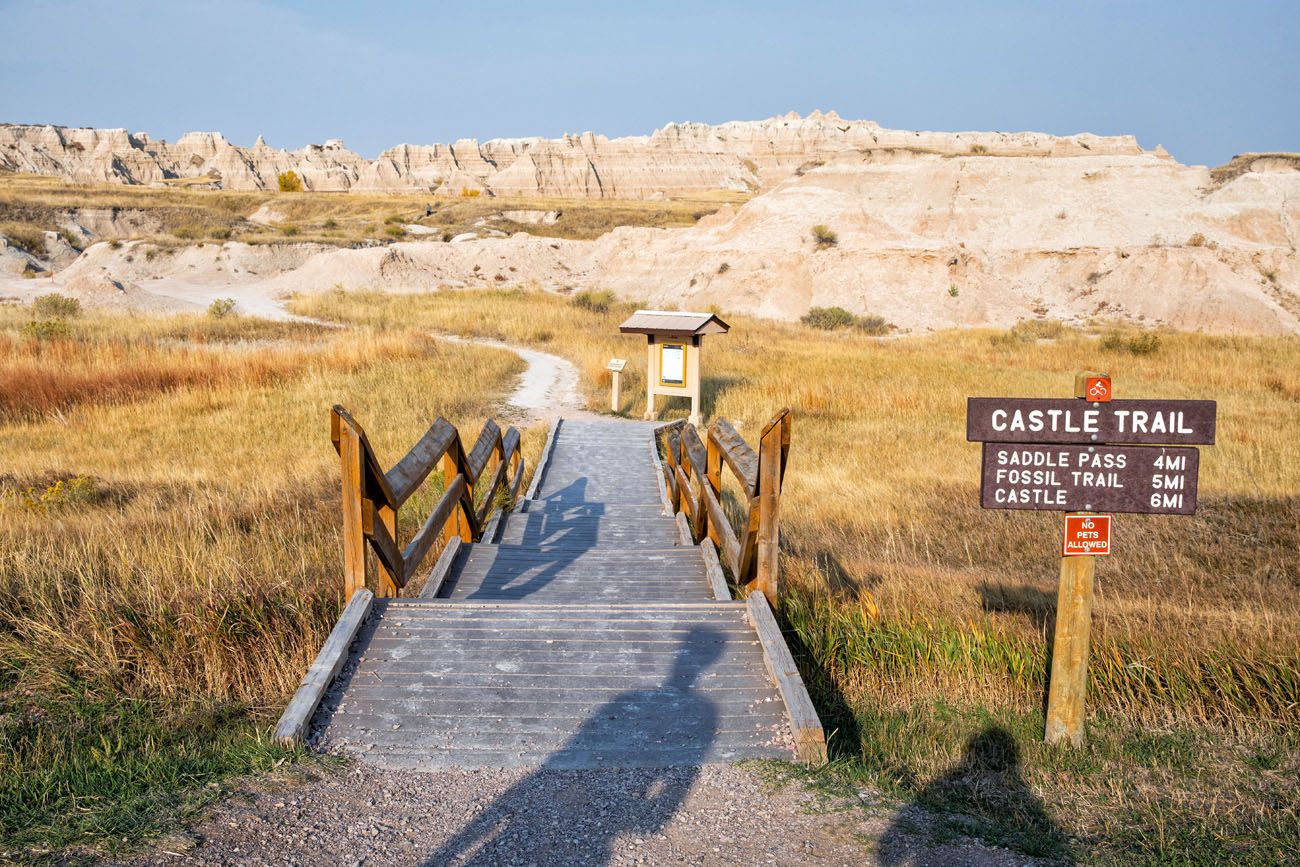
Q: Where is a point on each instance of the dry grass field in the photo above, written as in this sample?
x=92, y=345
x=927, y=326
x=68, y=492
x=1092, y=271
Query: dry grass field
x=922, y=620
x=30, y=205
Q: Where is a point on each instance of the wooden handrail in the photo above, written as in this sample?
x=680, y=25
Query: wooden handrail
x=371, y=496
x=693, y=473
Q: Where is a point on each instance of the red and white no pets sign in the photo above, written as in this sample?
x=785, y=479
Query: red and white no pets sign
x=1087, y=534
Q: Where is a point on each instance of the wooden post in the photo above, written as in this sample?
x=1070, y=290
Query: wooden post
x=457, y=524
x=387, y=581
x=767, y=576
x=613, y=397
x=1070, y=645
x=651, y=377
x=713, y=478
x=354, y=540
x=1065, y=696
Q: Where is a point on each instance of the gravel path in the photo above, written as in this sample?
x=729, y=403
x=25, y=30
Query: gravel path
x=715, y=815
x=547, y=388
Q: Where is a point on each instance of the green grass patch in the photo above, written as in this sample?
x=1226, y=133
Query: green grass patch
x=81, y=771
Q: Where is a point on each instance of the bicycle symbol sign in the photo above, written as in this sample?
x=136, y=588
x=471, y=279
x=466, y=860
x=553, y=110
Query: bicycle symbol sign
x=1097, y=388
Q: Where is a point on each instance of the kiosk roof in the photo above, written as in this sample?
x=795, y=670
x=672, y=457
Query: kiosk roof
x=676, y=323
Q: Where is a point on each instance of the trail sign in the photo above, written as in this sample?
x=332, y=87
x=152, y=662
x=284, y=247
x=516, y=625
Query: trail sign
x=1150, y=480
x=1067, y=420
x=617, y=364
x=1086, y=534
x=1097, y=388
x=1090, y=454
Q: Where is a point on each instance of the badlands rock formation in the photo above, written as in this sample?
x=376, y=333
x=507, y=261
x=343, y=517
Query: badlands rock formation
x=934, y=230
x=680, y=159
x=930, y=241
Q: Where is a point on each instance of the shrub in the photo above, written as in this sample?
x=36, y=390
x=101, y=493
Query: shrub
x=221, y=308
x=978, y=150
x=221, y=233
x=47, y=329
x=289, y=230
x=56, y=306
x=1139, y=343
x=1197, y=240
x=1031, y=330
x=62, y=495
x=467, y=193
x=446, y=237
x=289, y=182
x=824, y=236
x=392, y=218
x=828, y=318
x=876, y=326
x=724, y=268
x=953, y=291
x=595, y=300
x=394, y=231
x=331, y=223
x=188, y=232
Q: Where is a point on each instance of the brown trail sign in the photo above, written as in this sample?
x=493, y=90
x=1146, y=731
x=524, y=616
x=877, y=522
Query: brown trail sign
x=1053, y=420
x=1059, y=455
x=1146, y=479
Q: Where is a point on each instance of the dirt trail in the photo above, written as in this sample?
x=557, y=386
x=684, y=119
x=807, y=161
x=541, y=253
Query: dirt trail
x=548, y=387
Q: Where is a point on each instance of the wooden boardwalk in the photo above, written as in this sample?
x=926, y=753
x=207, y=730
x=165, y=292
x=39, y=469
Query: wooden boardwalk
x=581, y=631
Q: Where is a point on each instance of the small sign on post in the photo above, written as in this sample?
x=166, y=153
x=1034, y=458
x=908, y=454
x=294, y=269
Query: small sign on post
x=615, y=365
x=1086, y=535
x=1089, y=454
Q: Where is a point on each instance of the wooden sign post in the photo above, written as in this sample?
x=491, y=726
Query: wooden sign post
x=1064, y=455
x=615, y=365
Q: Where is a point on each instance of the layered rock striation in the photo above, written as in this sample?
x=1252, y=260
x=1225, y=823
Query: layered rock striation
x=677, y=160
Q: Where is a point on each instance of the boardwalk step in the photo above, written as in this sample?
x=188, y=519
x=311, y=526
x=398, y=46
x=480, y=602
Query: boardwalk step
x=448, y=684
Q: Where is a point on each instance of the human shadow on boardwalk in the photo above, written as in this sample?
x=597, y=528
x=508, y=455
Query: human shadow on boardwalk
x=983, y=796
x=565, y=536
x=570, y=810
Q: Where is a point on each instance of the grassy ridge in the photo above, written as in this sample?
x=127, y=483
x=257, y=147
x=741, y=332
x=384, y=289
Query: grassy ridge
x=30, y=205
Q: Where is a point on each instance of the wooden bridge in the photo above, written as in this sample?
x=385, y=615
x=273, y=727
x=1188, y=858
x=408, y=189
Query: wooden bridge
x=588, y=624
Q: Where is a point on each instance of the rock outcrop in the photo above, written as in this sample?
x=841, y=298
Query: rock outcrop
x=677, y=160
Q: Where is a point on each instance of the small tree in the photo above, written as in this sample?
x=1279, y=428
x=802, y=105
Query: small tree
x=828, y=318
x=221, y=308
x=56, y=306
x=289, y=182
x=824, y=236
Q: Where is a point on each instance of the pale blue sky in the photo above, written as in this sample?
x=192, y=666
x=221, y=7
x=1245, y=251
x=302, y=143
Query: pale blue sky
x=1207, y=80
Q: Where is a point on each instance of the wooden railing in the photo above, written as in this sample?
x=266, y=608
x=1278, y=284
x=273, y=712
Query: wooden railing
x=372, y=496
x=693, y=471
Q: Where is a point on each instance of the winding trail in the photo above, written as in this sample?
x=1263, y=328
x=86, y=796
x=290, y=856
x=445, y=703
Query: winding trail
x=548, y=387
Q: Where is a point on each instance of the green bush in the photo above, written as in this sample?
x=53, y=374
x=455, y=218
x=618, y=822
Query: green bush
x=1139, y=343
x=289, y=230
x=221, y=233
x=56, y=306
x=394, y=231
x=595, y=300
x=828, y=318
x=876, y=326
x=221, y=308
x=331, y=223
x=47, y=329
x=289, y=182
x=824, y=236
x=1031, y=330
